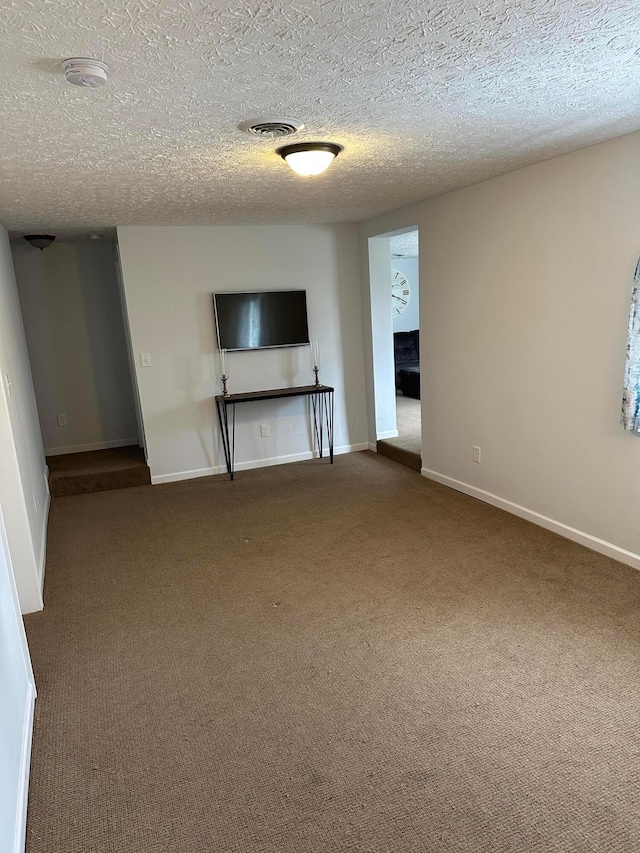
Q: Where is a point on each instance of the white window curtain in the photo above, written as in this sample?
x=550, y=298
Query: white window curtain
x=631, y=397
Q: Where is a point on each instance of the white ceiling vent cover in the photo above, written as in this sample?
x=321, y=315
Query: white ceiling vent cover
x=85, y=72
x=271, y=127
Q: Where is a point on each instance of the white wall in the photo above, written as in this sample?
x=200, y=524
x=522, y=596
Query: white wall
x=169, y=275
x=24, y=495
x=410, y=317
x=17, y=697
x=74, y=328
x=129, y=348
x=380, y=318
x=527, y=279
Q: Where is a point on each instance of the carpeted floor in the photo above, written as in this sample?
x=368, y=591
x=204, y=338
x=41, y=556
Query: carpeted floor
x=407, y=447
x=325, y=658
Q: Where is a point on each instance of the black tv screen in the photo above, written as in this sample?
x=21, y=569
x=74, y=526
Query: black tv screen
x=259, y=319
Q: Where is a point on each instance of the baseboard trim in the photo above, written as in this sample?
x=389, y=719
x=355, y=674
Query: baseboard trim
x=572, y=533
x=373, y=447
x=390, y=433
x=256, y=463
x=183, y=475
x=20, y=831
x=43, y=540
x=84, y=448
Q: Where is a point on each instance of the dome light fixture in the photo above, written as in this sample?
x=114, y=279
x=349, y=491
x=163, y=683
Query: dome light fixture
x=39, y=241
x=309, y=158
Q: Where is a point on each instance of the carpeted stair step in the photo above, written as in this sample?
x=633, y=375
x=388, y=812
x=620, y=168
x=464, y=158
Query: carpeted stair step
x=97, y=471
x=399, y=454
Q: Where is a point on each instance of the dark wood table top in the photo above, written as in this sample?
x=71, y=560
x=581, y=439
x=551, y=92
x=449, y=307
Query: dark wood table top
x=274, y=394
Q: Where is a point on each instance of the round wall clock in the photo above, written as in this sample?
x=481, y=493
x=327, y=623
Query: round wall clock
x=400, y=292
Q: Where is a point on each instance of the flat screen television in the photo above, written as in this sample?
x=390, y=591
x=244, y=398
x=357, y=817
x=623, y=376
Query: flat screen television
x=261, y=319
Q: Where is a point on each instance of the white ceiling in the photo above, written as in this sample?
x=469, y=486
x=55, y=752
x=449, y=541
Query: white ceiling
x=404, y=245
x=424, y=97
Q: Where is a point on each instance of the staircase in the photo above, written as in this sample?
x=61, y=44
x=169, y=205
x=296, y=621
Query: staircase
x=97, y=471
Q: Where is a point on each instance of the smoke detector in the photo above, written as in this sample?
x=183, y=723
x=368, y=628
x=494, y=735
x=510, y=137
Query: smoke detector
x=91, y=73
x=271, y=127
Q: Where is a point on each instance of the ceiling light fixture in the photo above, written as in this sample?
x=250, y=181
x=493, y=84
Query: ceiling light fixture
x=39, y=241
x=309, y=158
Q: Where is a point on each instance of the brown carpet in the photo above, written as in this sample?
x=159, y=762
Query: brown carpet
x=407, y=447
x=97, y=471
x=329, y=658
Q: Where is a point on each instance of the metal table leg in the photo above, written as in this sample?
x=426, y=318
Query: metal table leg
x=322, y=409
x=329, y=408
x=228, y=442
x=316, y=406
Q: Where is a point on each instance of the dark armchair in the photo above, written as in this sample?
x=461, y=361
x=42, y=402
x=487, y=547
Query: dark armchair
x=406, y=350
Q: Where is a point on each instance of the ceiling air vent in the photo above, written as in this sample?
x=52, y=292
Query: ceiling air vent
x=271, y=127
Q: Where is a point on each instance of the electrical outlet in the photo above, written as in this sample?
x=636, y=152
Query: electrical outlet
x=35, y=501
x=62, y=420
x=476, y=453
x=264, y=430
x=145, y=359
x=8, y=383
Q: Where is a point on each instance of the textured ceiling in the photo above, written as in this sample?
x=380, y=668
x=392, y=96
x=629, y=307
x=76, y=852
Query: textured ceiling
x=404, y=245
x=424, y=97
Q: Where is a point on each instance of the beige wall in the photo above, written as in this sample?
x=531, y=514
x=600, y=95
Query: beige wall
x=75, y=334
x=525, y=283
x=170, y=274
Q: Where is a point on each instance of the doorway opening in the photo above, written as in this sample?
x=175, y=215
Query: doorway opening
x=395, y=313
x=76, y=331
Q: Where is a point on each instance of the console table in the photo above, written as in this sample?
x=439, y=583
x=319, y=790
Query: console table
x=320, y=396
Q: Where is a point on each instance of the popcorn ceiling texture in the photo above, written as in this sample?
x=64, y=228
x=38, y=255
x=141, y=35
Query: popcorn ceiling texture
x=405, y=245
x=425, y=99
